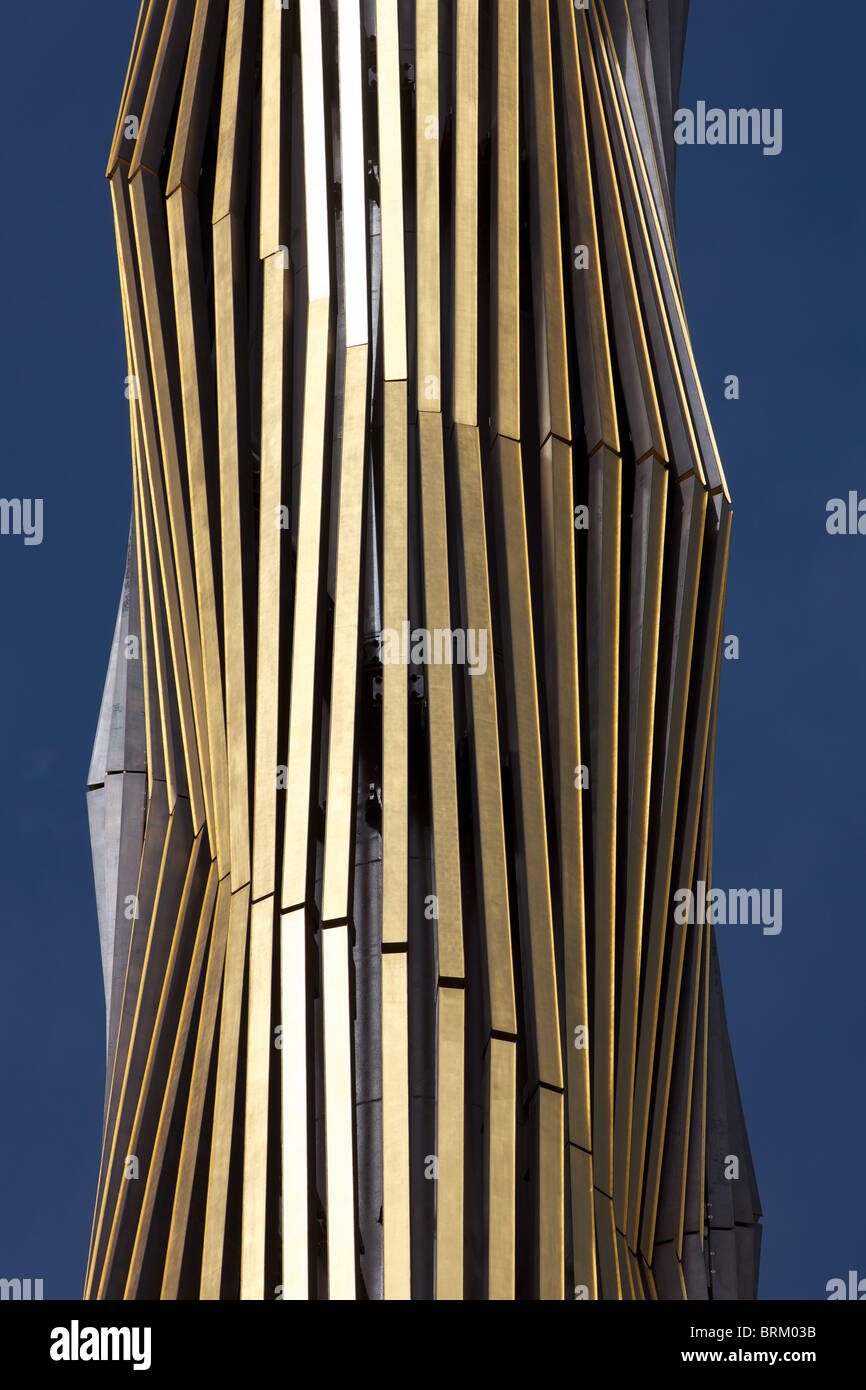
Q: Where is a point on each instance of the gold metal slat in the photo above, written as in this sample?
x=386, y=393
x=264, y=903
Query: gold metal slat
x=300, y=787
x=395, y=849
x=427, y=135
x=230, y=277
x=542, y=1005
x=550, y=1159
x=505, y=377
x=225, y=1097
x=275, y=445
x=391, y=189
x=446, y=880
x=340, y=807
x=582, y=1224
x=501, y=1164
x=449, y=1141
x=440, y=694
x=233, y=453
x=554, y=411
x=500, y=1015
x=465, y=302
x=148, y=215
x=590, y=319
x=200, y=431
x=488, y=813
x=232, y=168
x=395, y=1127
x=395, y=689
x=563, y=701
x=275, y=114
x=562, y=656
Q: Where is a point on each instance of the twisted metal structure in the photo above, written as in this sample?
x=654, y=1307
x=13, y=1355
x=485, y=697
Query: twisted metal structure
x=407, y=735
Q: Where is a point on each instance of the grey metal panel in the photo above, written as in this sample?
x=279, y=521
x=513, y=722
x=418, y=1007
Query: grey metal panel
x=720, y=1199
x=646, y=91
x=695, y=1269
x=667, y=1273
x=116, y=806
x=746, y=1240
x=127, y=748
x=125, y=815
x=99, y=756
x=723, y=1265
x=96, y=821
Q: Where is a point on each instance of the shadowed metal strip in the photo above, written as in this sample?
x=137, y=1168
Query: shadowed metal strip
x=260, y=1053
x=194, y=112
x=163, y=87
x=169, y=1108
x=603, y=634
x=551, y=356
x=194, y=1154
x=168, y=842
x=688, y=535
x=649, y=511
x=590, y=319
x=157, y=1012
x=147, y=36
x=633, y=360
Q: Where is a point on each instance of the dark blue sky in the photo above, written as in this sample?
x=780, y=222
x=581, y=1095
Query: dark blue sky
x=771, y=258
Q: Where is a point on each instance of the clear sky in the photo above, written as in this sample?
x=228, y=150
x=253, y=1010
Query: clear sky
x=771, y=255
